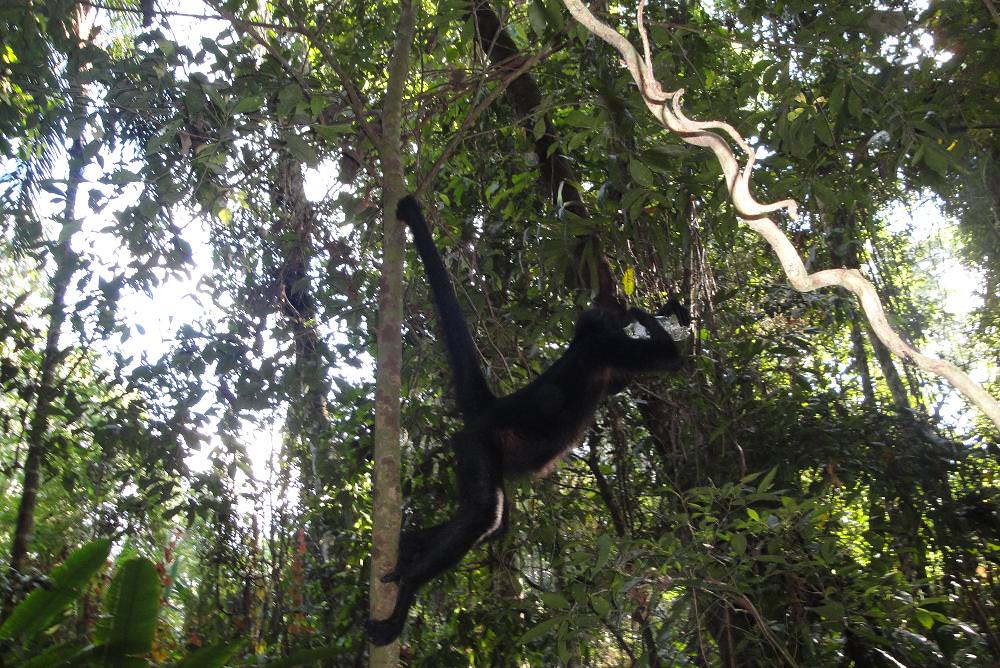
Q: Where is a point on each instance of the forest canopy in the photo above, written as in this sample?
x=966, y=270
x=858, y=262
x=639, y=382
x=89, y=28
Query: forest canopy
x=223, y=385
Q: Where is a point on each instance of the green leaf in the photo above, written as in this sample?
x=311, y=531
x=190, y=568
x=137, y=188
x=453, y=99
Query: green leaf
x=600, y=605
x=536, y=16
x=306, y=657
x=823, y=131
x=316, y=106
x=925, y=618
x=36, y=612
x=60, y=655
x=834, y=611
x=935, y=157
x=555, y=600
x=805, y=138
x=765, y=484
x=738, y=543
x=333, y=131
x=213, y=656
x=554, y=14
x=642, y=174
x=131, y=608
x=603, y=551
x=854, y=105
x=301, y=150
x=288, y=98
x=52, y=187
x=539, y=630
x=252, y=103
x=628, y=281
x=579, y=119
x=836, y=100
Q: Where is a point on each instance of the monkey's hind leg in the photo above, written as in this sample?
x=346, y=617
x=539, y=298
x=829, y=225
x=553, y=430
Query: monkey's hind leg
x=440, y=548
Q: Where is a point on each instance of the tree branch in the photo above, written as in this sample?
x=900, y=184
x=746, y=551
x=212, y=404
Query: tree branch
x=666, y=108
x=162, y=12
x=353, y=96
x=476, y=113
x=249, y=29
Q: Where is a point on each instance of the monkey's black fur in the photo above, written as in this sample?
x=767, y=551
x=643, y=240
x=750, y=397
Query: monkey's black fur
x=522, y=433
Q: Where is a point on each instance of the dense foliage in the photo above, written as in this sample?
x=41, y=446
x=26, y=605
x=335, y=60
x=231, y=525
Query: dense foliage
x=794, y=497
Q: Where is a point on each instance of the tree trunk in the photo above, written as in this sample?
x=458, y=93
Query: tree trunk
x=308, y=418
x=841, y=240
x=65, y=266
x=861, y=358
x=387, y=498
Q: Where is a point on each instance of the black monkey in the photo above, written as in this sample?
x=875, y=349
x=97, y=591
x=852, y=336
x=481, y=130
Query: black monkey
x=522, y=433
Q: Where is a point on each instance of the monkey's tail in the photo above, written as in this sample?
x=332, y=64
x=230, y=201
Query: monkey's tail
x=472, y=392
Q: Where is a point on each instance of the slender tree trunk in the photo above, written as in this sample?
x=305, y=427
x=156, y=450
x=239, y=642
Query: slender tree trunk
x=861, y=359
x=889, y=371
x=65, y=265
x=387, y=497
x=844, y=253
x=308, y=416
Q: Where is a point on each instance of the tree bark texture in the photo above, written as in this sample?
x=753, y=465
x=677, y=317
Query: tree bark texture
x=387, y=497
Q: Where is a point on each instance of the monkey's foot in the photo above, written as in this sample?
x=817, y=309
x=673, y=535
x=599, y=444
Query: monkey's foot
x=383, y=631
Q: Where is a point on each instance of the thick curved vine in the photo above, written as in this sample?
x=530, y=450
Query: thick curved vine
x=666, y=108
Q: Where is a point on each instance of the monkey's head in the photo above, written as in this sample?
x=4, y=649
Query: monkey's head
x=596, y=321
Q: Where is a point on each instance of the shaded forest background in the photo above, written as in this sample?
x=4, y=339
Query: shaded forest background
x=191, y=265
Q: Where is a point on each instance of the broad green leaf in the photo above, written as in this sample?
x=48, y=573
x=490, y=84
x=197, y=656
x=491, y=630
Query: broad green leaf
x=335, y=131
x=554, y=13
x=579, y=119
x=935, y=157
x=854, y=105
x=555, y=600
x=307, y=657
x=834, y=611
x=836, y=100
x=301, y=150
x=252, y=103
x=288, y=98
x=765, y=483
x=642, y=174
x=39, y=609
x=539, y=630
x=131, y=608
x=59, y=655
x=823, y=131
x=536, y=16
x=739, y=543
x=213, y=656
